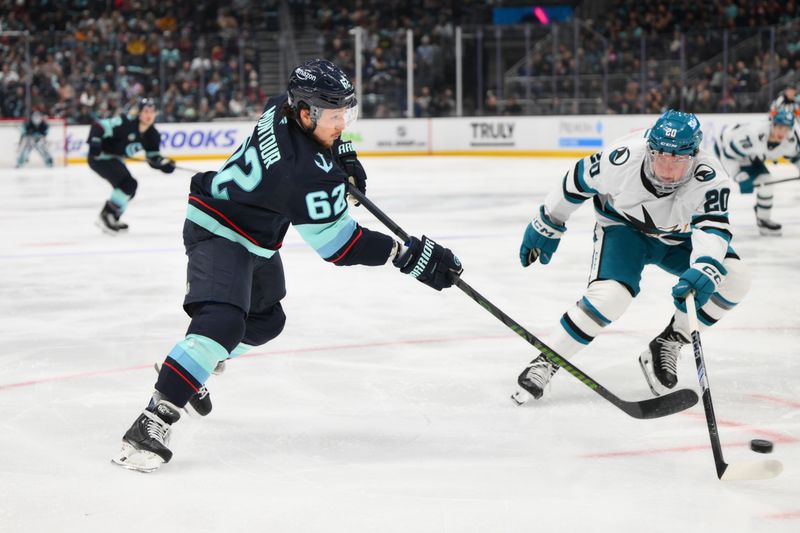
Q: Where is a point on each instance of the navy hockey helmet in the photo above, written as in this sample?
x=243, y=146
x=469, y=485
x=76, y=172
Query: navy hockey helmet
x=783, y=117
x=141, y=103
x=676, y=133
x=673, y=142
x=318, y=85
x=146, y=102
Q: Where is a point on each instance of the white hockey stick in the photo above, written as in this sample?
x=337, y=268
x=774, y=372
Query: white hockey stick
x=773, y=182
x=750, y=470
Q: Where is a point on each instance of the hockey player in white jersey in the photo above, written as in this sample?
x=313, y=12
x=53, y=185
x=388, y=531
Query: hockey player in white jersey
x=744, y=148
x=659, y=200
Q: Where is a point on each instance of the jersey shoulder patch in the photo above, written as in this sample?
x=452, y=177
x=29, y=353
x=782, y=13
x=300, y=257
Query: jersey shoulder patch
x=619, y=156
x=704, y=173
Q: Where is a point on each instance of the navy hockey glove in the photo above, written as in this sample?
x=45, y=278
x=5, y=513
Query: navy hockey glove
x=164, y=164
x=348, y=159
x=540, y=240
x=95, y=147
x=429, y=262
x=703, y=278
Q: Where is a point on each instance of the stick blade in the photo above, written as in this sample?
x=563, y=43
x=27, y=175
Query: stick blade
x=752, y=470
x=672, y=403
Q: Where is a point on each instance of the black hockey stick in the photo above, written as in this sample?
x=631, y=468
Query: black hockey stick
x=765, y=469
x=776, y=181
x=651, y=408
x=137, y=160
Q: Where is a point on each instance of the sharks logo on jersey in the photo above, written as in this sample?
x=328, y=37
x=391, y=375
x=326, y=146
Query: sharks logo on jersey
x=647, y=224
x=619, y=156
x=704, y=172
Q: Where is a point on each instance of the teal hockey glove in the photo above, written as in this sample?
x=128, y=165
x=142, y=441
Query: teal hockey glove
x=703, y=278
x=541, y=239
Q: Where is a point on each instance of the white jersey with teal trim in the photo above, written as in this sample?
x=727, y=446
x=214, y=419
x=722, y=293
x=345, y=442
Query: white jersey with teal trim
x=622, y=195
x=747, y=144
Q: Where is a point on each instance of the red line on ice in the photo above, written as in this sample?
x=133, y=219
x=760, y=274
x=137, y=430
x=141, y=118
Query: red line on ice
x=94, y=373
x=777, y=438
x=789, y=515
x=775, y=399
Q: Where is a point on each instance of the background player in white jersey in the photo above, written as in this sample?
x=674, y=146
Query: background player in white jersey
x=34, y=135
x=658, y=200
x=744, y=148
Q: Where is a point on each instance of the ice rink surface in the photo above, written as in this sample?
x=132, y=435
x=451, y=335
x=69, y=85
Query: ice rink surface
x=384, y=406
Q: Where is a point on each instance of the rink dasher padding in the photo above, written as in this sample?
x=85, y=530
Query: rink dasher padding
x=548, y=136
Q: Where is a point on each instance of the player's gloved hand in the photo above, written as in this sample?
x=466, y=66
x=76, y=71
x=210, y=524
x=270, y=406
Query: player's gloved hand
x=429, y=262
x=356, y=175
x=95, y=147
x=540, y=240
x=703, y=278
x=164, y=164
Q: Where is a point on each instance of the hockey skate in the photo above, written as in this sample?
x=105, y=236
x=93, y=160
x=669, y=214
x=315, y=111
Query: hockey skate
x=660, y=361
x=108, y=221
x=767, y=227
x=533, y=380
x=144, y=445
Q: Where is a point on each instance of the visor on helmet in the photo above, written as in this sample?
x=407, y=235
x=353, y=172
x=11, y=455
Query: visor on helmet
x=340, y=118
x=667, y=172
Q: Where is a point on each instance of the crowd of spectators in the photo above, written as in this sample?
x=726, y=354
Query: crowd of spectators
x=91, y=58
x=674, y=33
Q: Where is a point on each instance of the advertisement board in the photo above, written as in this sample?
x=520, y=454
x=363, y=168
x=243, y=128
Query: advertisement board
x=550, y=136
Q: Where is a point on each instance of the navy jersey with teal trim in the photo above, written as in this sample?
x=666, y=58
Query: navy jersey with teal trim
x=29, y=129
x=280, y=176
x=120, y=136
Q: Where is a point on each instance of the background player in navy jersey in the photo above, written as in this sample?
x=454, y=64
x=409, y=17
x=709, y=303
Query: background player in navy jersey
x=34, y=135
x=113, y=139
x=292, y=170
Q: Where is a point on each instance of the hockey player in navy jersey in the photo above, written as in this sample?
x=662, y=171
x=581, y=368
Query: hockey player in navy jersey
x=34, y=135
x=292, y=170
x=659, y=199
x=744, y=148
x=110, y=142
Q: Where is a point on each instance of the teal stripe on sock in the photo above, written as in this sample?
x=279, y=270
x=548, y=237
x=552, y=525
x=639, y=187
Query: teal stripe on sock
x=240, y=349
x=119, y=199
x=198, y=355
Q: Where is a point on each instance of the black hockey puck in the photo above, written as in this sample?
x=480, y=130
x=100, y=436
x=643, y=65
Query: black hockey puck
x=761, y=446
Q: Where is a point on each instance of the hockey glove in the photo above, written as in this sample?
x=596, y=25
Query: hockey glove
x=747, y=186
x=703, y=278
x=540, y=240
x=348, y=159
x=164, y=164
x=431, y=263
x=95, y=147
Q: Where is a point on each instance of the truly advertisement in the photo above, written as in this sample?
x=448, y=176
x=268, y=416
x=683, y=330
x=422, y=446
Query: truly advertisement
x=492, y=133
